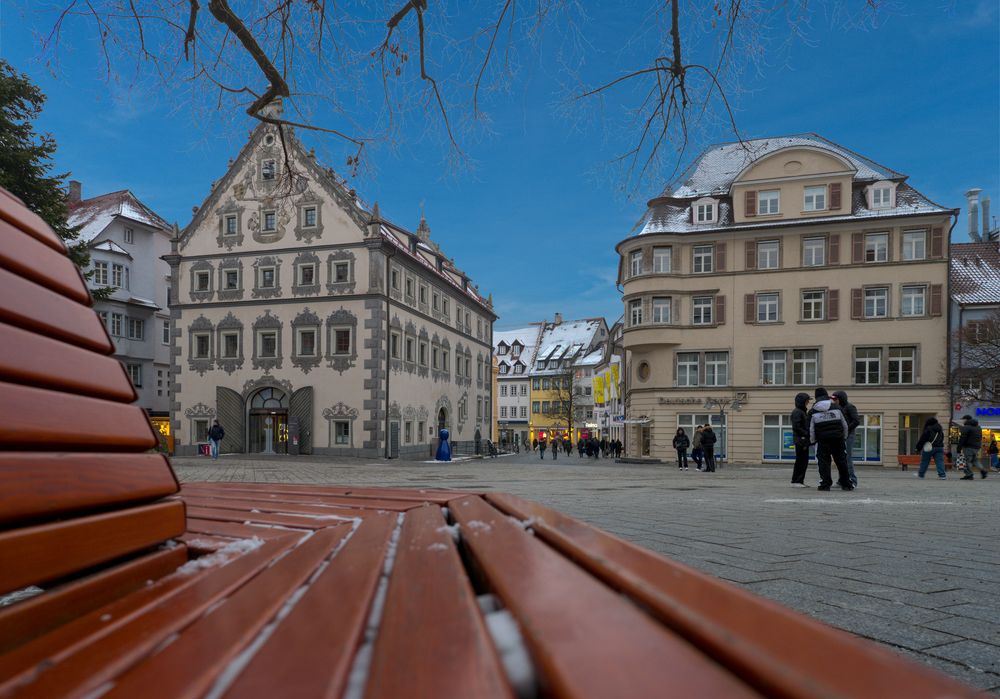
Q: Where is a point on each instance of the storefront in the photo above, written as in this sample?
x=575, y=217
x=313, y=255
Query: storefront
x=988, y=417
x=779, y=442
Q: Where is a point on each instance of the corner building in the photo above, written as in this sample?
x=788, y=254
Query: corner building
x=307, y=323
x=772, y=266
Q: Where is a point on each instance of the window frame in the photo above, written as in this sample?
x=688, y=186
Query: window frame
x=661, y=253
x=905, y=291
x=656, y=307
x=273, y=214
x=769, y=252
x=909, y=243
x=875, y=302
x=777, y=359
x=234, y=230
x=223, y=337
x=712, y=368
x=336, y=332
x=896, y=363
x=765, y=300
x=872, y=245
x=804, y=362
x=300, y=332
x=699, y=303
x=804, y=303
x=261, y=334
x=764, y=198
x=196, y=338
x=705, y=254
x=809, y=245
x=687, y=364
x=814, y=198
x=868, y=362
x=635, y=312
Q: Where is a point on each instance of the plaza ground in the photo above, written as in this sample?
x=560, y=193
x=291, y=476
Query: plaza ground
x=913, y=564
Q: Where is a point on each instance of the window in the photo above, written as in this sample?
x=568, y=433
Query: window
x=166, y=332
x=767, y=307
x=703, y=258
x=230, y=345
x=202, y=345
x=202, y=281
x=702, y=310
x=705, y=213
x=394, y=345
x=814, y=252
x=536, y=384
x=136, y=329
x=129, y=236
x=341, y=432
x=126, y=278
x=436, y=361
x=117, y=320
x=867, y=365
x=877, y=302
x=913, y=302
x=267, y=169
x=914, y=245
x=409, y=288
x=805, y=367
x=503, y=390
x=778, y=442
x=409, y=349
x=635, y=312
x=435, y=301
x=408, y=432
x=813, y=305
x=306, y=342
x=444, y=306
x=230, y=226
x=716, y=368
x=394, y=279
x=881, y=197
x=687, y=368
x=423, y=295
x=231, y=279
x=970, y=388
x=342, y=272
x=200, y=429
x=767, y=202
x=101, y=273
x=267, y=343
x=901, y=363
x=135, y=373
x=773, y=367
x=309, y=217
x=868, y=439
x=342, y=341
x=661, y=260
x=524, y=389
x=468, y=368
x=117, y=272
x=661, y=310
x=503, y=411
x=815, y=198
x=524, y=411
x=307, y=274
x=767, y=254
x=468, y=322
x=876, y=247
x=103, y=315
x=519, y=369
x=422, y=357
x=270, y=222
x=535, y=405
x=266, y=277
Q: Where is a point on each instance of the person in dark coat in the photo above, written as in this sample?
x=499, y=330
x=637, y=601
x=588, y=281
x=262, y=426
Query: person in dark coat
x=969, y=444
x=555, y=448
x=534, y=444
x=681, y=444
x=932, y=435
x=696, y=451
x=215, y=435
x=994, y=453
x=541, y=450
x=853, y=421
x=800, y=438
x=604, y=447
x=708, y=440
x=567, y=446
x=828, y=431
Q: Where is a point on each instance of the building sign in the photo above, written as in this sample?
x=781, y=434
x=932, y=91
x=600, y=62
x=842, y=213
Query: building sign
x=991, y=411
x=690, y=401
x=618, y=418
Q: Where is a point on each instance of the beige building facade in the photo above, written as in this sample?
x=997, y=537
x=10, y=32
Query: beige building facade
x=772, y=267
x=307, y=323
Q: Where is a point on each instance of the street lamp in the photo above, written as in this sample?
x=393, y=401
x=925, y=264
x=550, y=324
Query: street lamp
x=734, y=404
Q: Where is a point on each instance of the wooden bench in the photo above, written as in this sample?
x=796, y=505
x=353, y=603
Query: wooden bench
x=130, y=586
x=907, y=460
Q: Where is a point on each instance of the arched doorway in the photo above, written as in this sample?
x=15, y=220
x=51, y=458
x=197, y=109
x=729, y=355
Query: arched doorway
x=268, y=422
x=442, y=419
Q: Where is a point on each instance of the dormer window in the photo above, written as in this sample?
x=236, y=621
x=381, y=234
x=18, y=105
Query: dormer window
x=501, y=349
x=704, y=210
x=882, y=195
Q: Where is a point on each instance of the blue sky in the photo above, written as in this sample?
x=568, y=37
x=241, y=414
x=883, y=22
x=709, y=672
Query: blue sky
x=534, y=212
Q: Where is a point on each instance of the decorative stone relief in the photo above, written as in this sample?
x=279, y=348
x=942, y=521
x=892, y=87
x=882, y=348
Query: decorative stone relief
x=201, y=266
x=303, y=232
x=266, y=322
x=306, y=319
x=230, y=264
x=394, y=411
x=200, y=325
x=303, y=259
x=338, y=413
x=229, y=323
x=341, y=319
x=409, y=413
x=251, y=386
x=463, y=410
x=230, y=208
x=200, y=410
x=341, y=287
x=266, y=292
x=480, y=370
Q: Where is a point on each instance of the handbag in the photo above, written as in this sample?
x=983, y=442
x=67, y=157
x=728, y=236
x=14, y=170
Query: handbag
x=960, y=461
x=928, y=447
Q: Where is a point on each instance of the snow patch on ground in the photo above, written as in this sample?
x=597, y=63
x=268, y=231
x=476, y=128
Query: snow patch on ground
x=454, y=460
x=18, y=595
x=513, y=653
x=221, y=557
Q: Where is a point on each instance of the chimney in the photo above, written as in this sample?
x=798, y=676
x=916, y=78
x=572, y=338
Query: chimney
x=558, y=319
x=973, y=196
x=75, y=191
x=987, y=228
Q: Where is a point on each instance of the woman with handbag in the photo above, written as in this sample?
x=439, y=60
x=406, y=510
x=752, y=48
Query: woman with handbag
x=931, y=445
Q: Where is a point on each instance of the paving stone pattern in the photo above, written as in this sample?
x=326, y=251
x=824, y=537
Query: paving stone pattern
x=913, y=564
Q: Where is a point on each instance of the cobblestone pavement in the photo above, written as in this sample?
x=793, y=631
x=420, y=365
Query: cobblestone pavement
x=913, y=564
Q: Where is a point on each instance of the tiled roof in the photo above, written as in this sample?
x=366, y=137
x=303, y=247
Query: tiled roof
x=566, y=340
x=96, y=213
x=528, y=337
x=975, y=273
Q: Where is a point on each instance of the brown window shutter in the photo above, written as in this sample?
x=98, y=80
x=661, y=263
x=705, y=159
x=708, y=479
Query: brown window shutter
x=833, y=249
x=857, y=303
x=857, y=248
x=937, y=242
x=720, y=310
x=834, y=195
x=749, y=308
x=833, y=304
x=750, y=203
x=720, y=257
x=751, y=249
x=936, y=299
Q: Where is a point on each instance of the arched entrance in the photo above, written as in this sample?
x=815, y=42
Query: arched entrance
x=267, y=424
x=442, y=419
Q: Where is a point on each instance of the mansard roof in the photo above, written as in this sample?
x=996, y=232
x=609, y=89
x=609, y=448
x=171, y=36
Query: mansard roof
x=96, y=214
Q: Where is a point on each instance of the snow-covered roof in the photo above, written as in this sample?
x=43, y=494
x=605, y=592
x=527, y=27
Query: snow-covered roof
x=566, y=340
x=527, y=337
x=96, y=213
x=975, y=273
x=111, y=246
x=592, y=359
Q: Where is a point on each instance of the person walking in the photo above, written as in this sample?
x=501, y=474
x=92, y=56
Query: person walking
x=541, y=450
x=800, y=439
x=681, y=444
x=708, y=440
x=994, y=453
x=696, y=451
x=555, y=448
x=969, y=444
x=568, y=446
x=853, y=421
x=931, y=445
x=828, y=431
x=215, y=435
x=534, y=444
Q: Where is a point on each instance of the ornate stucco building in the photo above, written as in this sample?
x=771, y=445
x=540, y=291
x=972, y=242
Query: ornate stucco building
x=306, y=322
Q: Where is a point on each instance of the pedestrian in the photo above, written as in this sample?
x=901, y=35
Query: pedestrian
x=215, y=435
x=681, y=444
x=555, y=448
x=931, y=445
x=994, y=453
x=800, y=438
x=697, y=453
x=850, y=412
x=541, y=450
x=568, y=446
x=828, y=431
x=604, y=447
x=708, y=440
x=969, y=444
x=534, y=444
x=581, y=446
x=619, y=448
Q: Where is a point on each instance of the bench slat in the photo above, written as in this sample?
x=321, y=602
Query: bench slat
x=233, y=530
x=40, y=484
x=781, y=652
x=306, y=658
x=429, y=591
x=33, y=307
x=330, y=505
x=37, y=418
x=21, y=217
x=32, y=259
x=586, y=641
x=439, y=496
x=35, y=555
x=35, y=360
x=300, y=522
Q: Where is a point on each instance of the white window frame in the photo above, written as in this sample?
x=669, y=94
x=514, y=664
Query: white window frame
x=688, y=369
x=261, y=334
x=260, y=277
x=913, y=301
x=878, y=296
x=769, y=202
x=635, y=312
x=768, y=302
x=660, y=309
x=273, y=213
x=136, y=328
x=306, y=210
x=117, y=324
x=135, y=374
x=704, y=212
x=703, y=259
x=914, y=245
x=773, y=367
x=898, y=364
x=801, y=364
x=195, y=345
x=878, y=245
x=662, y=259
x=300, y=274
x=768, y=254
x=872, y=359
x=101, y=273
x=813, y=309
x=882, y=197
x=118, y=276
x=299, y=333
x=333, y=349
x=230, y=230
x=203, y=275
x=222, y=341
x=814, y=252
x=165, y=333
x=814, y=198
x=702, y=310
x=225, y=279
x=341, y=432
x=716, y=369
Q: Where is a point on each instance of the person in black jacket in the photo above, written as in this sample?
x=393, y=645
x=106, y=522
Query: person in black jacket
x=215, y=436
x=800, y=437
x=933, y=435
x=708, y=440
x=681, y=444
x=969, y=445
x=853, y=421
x=828, y=431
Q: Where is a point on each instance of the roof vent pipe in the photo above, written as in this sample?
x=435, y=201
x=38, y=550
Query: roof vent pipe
x=973, y=196
x=558, y=319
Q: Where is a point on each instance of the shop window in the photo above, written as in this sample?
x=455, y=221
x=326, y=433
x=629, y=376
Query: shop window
x=779, y=440
x=868, y=439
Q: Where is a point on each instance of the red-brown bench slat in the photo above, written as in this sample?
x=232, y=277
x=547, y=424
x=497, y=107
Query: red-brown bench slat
x=781, y=652
x=330, y=505
x=36, y=485
x=33, y=307
x=40, y=419
x=35, y=555
x=297, y=522
x=35, y=360
x=233, y=530
x=430, y=595
x=311, y=650
x=32, y=259
x=438, y=496
x=26, y=620
x=21, y=217
x=586, y=641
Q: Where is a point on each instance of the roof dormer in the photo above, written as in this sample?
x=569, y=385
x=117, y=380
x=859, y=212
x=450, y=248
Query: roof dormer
x=705, y=211
x=881, y=195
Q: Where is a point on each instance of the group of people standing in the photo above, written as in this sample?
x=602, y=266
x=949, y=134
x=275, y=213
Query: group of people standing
x=829, y=424
x=590, y=446
x=702, y=445
x=931, y=445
